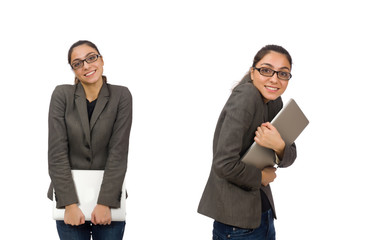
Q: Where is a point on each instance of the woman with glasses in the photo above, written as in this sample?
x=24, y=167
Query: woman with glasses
x=89, y=128
x=237, y=195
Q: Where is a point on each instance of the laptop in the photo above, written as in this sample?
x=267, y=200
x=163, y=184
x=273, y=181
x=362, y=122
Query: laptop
x=87, y=184
x=289, y=122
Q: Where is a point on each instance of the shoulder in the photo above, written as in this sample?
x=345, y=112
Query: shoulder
x=63, y=90
x=247, y=90
x=119, y=91
x=117, y=88
x=66, y=88
x=245, y=97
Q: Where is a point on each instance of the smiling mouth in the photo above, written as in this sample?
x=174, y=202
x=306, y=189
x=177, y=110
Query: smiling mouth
x=271, y=88
x=90, y=73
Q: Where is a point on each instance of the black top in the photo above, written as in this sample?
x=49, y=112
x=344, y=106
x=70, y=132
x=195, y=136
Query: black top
x=90, y=106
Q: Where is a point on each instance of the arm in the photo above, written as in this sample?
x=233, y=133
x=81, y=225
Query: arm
x=289, y=156
x=116, y=166
x=234, y=126
x=58, y=160
x=268, y=136
x=58, y=151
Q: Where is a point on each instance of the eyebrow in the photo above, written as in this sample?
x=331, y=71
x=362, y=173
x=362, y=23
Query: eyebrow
x=84, y=56
x=270, y=65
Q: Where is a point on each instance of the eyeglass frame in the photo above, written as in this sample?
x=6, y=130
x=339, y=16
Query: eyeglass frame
x=85, y=60
x=274, y=71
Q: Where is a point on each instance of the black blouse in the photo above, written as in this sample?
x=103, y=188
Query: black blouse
x=90, y=106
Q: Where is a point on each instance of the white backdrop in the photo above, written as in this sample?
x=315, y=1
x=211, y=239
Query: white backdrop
x=180, y=59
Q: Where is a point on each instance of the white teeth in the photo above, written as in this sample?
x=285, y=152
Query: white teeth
x=272, y=88
x=89, y=73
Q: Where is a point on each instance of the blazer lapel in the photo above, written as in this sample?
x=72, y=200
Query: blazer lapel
x=80, y=102
x=103, y=99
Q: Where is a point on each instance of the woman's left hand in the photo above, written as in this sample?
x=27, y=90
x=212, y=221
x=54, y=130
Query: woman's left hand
x=268, y=136
x=101, y=215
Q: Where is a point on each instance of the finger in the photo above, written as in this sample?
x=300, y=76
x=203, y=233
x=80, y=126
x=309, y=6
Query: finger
x=257, y=140
x=260, y=130
x=82, y=219
x=93, y=220
x=257, y=134
x=267, y=124
x=103, y=222
x=265, y=129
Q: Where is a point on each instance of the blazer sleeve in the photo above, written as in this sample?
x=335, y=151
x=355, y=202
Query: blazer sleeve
x=236, y=119
x=289, y=156
x=116, y=166
x=58, y=152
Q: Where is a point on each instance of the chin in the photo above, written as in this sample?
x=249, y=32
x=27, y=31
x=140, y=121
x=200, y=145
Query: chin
x=270, y=98
x=90, y=81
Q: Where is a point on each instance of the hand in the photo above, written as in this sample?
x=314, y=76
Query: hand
x=268, y=136
x=268, y=175
x=101, y=215
x=73, y=215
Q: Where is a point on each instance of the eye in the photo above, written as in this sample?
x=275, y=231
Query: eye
x=91, y=58
x=284, y=75
x=76, y=64
x=266, y=71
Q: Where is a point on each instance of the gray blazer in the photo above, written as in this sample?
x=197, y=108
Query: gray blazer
x=232, y=193
x=76, y=143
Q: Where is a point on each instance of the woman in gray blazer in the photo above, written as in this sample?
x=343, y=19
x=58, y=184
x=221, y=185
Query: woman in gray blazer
x=89, y=129
x=238, y=195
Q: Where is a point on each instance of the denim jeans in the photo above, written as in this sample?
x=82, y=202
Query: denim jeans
x=85, y=231
x=265, y=231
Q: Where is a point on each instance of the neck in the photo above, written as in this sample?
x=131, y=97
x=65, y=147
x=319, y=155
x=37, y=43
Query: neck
x=92, y=90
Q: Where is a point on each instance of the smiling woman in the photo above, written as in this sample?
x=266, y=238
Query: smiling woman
x=89, y=129
x=87, y=63
x=237, y=195
x=269, y=84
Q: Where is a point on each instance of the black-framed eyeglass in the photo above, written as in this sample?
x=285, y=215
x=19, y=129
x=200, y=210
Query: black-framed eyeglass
x=89, y=59
x=267, y=72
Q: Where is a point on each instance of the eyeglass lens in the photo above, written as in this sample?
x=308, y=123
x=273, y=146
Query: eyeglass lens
x=80, y=63
x=269, y=73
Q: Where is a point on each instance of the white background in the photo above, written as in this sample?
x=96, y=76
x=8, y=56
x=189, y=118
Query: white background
x=180, y=59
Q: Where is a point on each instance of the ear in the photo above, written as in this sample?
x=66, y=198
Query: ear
x=251, y=73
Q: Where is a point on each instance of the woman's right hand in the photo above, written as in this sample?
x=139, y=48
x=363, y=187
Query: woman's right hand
x=73, y=215
x=268, y=175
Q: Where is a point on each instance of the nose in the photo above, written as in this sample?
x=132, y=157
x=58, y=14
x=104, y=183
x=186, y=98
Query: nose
x=85, y=65
x=274, y=78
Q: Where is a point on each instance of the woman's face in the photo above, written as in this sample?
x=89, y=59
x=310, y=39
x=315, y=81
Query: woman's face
x=89, y=73
x=271, y=87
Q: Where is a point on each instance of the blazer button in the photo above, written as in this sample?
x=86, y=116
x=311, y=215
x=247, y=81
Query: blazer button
x=87, y=146
x=88, y=159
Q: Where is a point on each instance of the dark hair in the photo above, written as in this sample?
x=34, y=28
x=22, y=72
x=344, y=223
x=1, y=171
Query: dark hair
x=79, y=43
x=268, y=48
x=263, y=52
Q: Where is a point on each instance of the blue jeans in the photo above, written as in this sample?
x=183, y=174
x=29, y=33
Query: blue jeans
x=265, y=231
x=85, y=231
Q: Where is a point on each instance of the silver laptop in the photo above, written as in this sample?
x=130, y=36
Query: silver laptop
x=87, y=184
x=289, y=122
